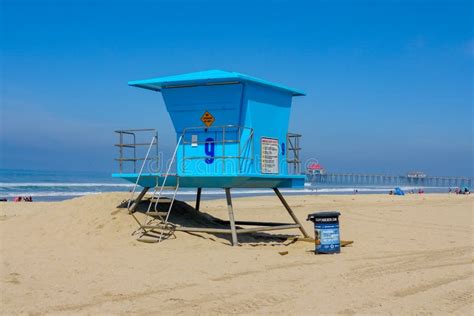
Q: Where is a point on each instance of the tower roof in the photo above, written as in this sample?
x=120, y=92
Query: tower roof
x=207, y=77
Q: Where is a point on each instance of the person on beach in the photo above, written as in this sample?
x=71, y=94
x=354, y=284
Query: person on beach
x=23, y=198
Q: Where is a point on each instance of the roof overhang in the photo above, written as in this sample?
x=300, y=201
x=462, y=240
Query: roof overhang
x=207, y=78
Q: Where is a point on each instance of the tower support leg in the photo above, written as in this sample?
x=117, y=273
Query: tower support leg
x=198, y=198
x=137, y=201
x=290, y=211
x=231, y=217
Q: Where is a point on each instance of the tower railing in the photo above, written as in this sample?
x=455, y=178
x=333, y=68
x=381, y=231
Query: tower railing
x=129, y=147
x=293, y=153
x=228, y=134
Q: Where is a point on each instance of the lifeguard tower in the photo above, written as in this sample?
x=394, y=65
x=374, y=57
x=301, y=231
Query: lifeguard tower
x=231, y=132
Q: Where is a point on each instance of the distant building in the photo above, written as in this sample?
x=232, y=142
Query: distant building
x=315, y=169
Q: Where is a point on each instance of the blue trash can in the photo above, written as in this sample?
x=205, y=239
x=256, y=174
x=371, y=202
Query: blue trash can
x=326, y=230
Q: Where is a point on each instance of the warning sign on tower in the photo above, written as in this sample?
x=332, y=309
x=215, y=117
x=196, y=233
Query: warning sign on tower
x=207, y=119
x=270, y=152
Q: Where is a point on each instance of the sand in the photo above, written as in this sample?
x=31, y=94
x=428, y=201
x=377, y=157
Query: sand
x=411, y=255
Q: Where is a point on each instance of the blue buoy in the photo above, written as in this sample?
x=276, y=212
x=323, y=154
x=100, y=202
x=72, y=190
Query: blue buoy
x=326, y=230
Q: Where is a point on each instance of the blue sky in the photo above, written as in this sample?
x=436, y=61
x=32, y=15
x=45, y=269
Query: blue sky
x=389, y=83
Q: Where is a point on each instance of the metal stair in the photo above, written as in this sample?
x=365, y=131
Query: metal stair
x=156, y=223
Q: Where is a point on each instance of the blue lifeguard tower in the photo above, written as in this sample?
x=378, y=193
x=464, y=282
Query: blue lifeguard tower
x=231, y=132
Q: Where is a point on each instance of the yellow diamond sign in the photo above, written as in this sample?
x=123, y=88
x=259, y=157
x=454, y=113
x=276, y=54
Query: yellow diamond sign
x=207, y=119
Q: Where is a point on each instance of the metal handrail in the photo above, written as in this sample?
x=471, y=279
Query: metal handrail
x=141, y=171
x=162, y=187
x=218, y=157
x=247, y=142
x=135, y=159
x=135, y=130
x=223, y=142
x=216, y=127
x=121, y=145
x=169, y=166
x=294, y=147
x=200, y=142
x=132, y=145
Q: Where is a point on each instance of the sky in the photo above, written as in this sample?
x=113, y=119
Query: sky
x=389, y=83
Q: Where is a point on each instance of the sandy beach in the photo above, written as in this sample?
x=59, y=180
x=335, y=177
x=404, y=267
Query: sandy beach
x=411, y=254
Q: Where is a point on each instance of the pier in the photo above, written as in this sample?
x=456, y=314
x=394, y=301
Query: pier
x=389, y=180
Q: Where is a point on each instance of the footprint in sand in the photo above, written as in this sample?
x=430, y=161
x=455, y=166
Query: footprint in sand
x=12, y=278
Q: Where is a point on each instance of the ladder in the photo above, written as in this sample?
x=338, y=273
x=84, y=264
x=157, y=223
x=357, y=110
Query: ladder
x=156, y=223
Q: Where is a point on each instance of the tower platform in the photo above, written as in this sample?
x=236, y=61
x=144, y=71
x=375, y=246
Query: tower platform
x=151, y=180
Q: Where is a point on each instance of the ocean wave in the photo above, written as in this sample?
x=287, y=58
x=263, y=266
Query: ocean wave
x=220, y=192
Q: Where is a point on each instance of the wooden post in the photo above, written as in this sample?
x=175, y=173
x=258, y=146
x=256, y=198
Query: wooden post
x=231, y=217
x=198, y=198
x=131, y=211
x=137, y=200
x=282, y=199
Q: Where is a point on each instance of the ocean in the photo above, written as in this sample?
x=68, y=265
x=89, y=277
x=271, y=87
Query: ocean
x=62, y=185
